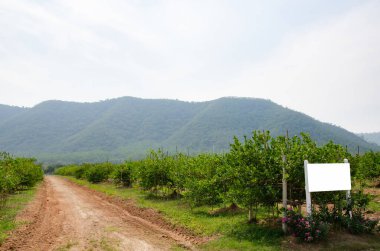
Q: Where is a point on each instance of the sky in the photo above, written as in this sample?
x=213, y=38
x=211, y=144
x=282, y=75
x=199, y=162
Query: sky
x=319, y=57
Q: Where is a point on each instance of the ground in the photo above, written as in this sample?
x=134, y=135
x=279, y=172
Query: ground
x=65, y=216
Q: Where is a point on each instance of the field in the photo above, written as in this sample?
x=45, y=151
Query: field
x=228, y=201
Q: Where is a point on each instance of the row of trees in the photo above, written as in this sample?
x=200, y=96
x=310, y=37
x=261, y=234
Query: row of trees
x=17, y=174
x=249, y=175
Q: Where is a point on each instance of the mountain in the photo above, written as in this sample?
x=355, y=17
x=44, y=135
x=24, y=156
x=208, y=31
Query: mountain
x=7, y=112
x=373, y=137
x=127, y=127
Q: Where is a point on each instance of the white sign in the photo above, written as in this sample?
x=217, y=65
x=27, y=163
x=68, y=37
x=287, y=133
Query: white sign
x=327, y=177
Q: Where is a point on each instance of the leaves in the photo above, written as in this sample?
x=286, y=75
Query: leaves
x=17, y=174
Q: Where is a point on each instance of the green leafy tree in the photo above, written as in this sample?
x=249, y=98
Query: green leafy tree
x=96, y=173
x=202, y=184
x=155, y=171
x=122, y=174
x=256, y=173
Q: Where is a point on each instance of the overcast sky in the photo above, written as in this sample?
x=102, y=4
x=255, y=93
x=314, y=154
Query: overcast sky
x=320, y=57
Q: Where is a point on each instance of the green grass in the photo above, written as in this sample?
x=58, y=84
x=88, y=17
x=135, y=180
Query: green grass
x=374, y=206
x=237, y=234
x=14, y=204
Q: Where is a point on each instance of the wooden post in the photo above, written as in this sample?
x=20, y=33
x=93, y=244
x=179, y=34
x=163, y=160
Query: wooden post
x=284, y=185
x=284, y=192
x=308, y=195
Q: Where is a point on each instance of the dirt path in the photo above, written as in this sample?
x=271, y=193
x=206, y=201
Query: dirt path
x=65, y=216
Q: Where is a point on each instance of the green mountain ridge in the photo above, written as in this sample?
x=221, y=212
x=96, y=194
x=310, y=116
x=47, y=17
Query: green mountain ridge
x=127, y=127
x=7, y=112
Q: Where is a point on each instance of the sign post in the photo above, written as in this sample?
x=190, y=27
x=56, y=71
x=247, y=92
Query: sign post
x=348, y=196
x=326, y=177
x=308, y=195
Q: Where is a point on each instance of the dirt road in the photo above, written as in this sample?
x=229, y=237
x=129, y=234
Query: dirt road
x=65, y=216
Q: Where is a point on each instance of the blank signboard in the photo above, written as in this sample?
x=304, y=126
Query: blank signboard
x=328, y=177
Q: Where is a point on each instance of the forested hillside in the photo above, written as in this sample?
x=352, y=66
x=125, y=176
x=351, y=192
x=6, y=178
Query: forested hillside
x=373, y=137
x=7, y=112
x=126, y=128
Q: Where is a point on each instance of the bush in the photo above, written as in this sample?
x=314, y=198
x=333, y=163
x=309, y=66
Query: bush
x=358, y=224
x=202, y=184
x=79, y=172
x=305, y=229
x=28, y=172
x=155, y=171
x=96, y=173
x=340, y=217
x=17, y=174
x=122, y=174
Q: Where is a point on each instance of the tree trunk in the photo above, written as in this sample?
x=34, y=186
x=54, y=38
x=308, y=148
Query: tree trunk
x=250, y=213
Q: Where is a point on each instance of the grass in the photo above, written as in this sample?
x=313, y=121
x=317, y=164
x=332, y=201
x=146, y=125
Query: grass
x=67, y=246
x=374, y=204
x=231, y=230
x=14, y=204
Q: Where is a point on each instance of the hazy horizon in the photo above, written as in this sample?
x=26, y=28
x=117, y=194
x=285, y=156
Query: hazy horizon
x=317, y=57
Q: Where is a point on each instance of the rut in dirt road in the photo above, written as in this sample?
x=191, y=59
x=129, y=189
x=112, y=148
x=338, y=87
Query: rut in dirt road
x=65, y=216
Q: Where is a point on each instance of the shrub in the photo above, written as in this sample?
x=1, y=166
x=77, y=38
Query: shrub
x=28, y=172
x=79, y=172
x=340, y=217
x=306, y=229
x=122, y=174
x=202, y=182
x=358, y=224
x=17, y=174
x=96, y=173
x=155, y=171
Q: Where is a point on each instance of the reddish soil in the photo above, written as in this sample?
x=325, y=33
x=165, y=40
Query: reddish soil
x=66, y=216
